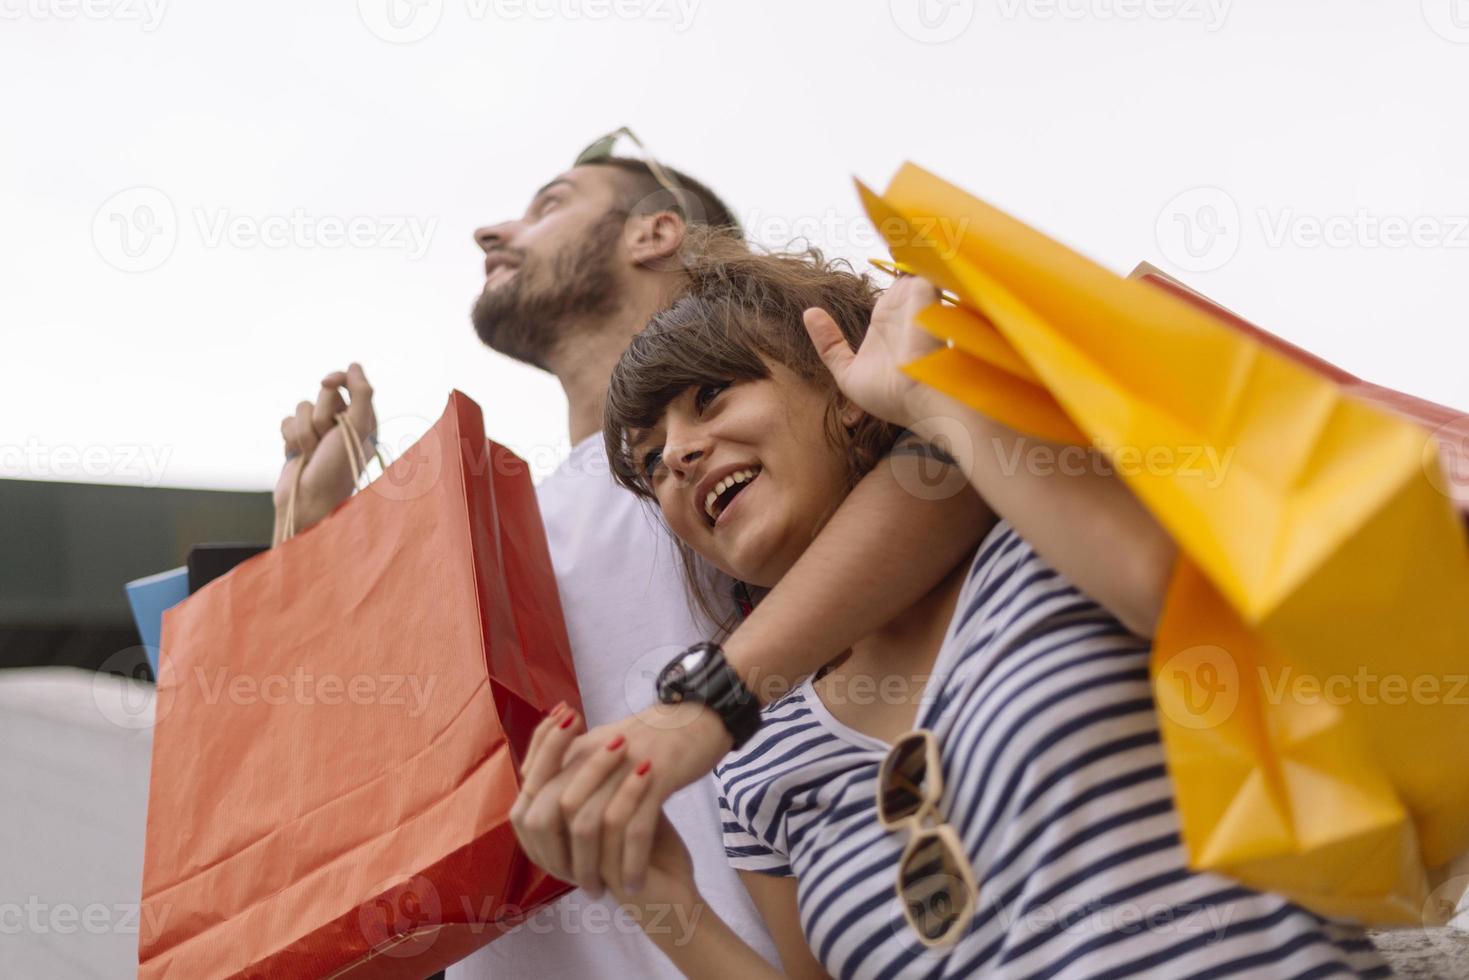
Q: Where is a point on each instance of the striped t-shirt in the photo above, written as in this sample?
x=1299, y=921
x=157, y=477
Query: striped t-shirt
x=1053, y=778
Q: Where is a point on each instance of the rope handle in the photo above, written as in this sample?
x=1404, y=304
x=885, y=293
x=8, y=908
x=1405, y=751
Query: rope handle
x=355, y=458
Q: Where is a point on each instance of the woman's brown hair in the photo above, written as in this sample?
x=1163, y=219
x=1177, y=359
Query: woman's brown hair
x=740, y=309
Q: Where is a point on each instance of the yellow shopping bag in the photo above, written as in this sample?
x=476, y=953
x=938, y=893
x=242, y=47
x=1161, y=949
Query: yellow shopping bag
x=1310, y=661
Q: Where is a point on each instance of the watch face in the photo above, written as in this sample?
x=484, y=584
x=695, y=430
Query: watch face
x=670, y=681
x=673, y=680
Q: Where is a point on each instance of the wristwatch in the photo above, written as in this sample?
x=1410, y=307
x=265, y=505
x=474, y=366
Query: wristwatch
x=702, y=674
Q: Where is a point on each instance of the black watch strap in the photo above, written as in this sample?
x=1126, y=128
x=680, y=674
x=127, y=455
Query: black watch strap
x=701, y=673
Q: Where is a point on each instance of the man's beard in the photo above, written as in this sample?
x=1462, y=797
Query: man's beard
x=526, y=320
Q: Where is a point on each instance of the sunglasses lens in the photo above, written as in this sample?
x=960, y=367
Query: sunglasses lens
x=903, y=775
x=600, y=150
x=935, y=891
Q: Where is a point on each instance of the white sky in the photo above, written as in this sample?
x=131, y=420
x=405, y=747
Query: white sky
x=1086, y=118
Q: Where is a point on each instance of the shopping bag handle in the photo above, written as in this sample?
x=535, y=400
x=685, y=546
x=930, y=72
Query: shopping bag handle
x=355, y=459
x=896, y=269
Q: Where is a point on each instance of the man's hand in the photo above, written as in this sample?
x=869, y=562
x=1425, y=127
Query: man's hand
x=871, y=376
x=591, y=803
x=312, y=434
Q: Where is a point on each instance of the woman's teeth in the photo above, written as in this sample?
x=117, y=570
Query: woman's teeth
x=734, y=479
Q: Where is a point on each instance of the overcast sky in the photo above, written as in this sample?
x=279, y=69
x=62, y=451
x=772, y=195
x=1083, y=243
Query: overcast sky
x=206, y=206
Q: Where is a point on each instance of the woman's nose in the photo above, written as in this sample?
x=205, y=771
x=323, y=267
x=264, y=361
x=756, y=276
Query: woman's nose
x=682, y=459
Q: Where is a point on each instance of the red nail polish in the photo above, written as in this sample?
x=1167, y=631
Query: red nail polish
x=568, y=720
x=616, y=743
x=643, y=767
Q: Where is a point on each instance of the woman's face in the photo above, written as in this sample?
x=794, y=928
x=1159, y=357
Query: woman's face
x=744, y=472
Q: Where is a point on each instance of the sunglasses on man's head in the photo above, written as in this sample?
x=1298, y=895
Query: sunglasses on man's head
x=602, y=149
x=935, y=882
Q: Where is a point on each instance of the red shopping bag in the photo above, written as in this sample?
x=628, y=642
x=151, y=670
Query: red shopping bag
x=339, y=725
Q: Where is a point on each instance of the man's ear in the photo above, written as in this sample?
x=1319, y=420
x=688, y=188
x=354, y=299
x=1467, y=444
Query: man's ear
x=653, y=239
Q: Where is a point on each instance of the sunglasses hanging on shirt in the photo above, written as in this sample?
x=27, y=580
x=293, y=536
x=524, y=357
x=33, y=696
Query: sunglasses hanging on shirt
x=935, y=882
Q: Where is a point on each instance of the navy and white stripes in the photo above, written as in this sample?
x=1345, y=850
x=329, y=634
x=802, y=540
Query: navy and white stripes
x=1055, y=781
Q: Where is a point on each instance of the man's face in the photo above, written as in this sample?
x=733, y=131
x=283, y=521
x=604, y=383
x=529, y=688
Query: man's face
x=555, y=266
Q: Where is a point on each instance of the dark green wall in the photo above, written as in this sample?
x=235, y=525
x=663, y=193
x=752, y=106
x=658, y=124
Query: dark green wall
x=66, y=549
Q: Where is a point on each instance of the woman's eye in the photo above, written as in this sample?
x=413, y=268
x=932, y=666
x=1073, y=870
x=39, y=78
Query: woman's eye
x=707, y=393
x=651, y=461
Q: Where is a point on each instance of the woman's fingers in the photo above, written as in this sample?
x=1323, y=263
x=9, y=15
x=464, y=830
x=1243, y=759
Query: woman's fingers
x=920, y=292
x=536, y=813
x=831, y=346
x=521, y=806
x=583, y=815
x=548, y=746
x=629, y=826
x=552, y=719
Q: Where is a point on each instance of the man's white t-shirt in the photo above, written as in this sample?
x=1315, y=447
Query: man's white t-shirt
x=627, y=614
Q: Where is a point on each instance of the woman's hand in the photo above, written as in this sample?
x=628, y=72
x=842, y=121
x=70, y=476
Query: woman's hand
x=871, y=376
x=590, y=803
x=1084, y=521
x=668, y=878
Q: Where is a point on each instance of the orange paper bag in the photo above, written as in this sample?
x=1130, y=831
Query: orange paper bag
x=1327, y=548
x=1449, y=426
x=339, y=724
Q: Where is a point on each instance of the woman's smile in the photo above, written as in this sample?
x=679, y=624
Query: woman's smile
x=728, y=502
x=717, y=492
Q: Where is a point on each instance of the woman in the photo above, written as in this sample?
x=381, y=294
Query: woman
x=976, y=788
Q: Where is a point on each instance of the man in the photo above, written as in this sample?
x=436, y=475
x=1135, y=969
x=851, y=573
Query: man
x=567, y=285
